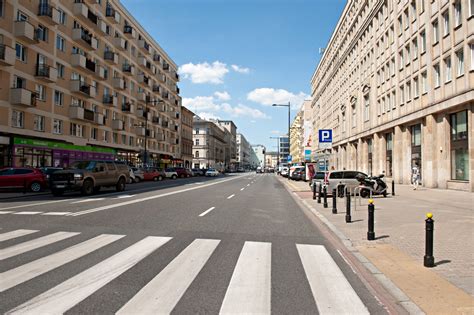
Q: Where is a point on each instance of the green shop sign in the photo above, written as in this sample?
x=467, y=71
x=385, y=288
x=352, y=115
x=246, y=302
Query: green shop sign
x=62, y=146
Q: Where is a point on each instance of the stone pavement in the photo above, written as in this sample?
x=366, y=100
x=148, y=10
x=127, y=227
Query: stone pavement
x=400, y=242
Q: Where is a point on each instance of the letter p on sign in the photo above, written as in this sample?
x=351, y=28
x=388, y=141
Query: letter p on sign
x=325, y=135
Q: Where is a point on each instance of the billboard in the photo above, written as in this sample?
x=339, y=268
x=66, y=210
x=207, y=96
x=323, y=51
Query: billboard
x=308, y=139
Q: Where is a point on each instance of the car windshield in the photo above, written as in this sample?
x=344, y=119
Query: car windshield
x=83, y=165
x=211, y=170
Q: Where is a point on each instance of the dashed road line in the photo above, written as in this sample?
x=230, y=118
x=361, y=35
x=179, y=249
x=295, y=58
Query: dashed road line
x=242, y=188
x=231, y=196
x=88, y=200
x=56, y=213
x=28, y=212
x=207, y=211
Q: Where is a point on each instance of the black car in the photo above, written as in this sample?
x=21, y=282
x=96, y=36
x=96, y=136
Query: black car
x=48, y=171
x=199, y=171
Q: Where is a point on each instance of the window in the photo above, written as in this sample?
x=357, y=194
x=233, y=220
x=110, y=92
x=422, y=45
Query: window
x=416, y=135
x=471, y=48
x=407, y=51
x=42, y=33
x=76, y=130
x=388, y=153
x=435, y=32
x=343, y=121
x=407, y=19
x=354, y=116
x=58, y=98
x=60, y=43
x=2, y=8
x=413, y=9
x=422, y=6
x=471, y=7
x=392, y=67
x=40, y=92
x=131, y=141
x=393, y=102
x=21, y=52
x=197, y=141
x=62, y=17
x=447, y=69
x=60, y=68
x=416, y=87
x=57, y=126
x=18, y=119
x=400, y=57
x=366, y=107
x=20, y=16
x=459, y=146
x=414, y=44
x=446, y=23
x=457, y=13
x=196, y=154
x=460, y=63
x=423, y=41
x=400, y=25
x=408, y=91
x=39, y=123
x=424, y=82
x=436, y=74
x=402, y=95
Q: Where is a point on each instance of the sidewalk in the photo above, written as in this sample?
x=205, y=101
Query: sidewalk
x=400, y=242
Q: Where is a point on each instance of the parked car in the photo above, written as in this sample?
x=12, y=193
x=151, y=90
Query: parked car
x=132, y=179
x=294, y=169
x=170, y=173
x=139, y=176
x=347, y=178
x=298, y=174
x=284, y=172
x=154, y=174
x=47, y=171
x=197, y=172
x=212, y=172
x=183, y=172
x=89, y=176
x=22, y=177
x=318, y=177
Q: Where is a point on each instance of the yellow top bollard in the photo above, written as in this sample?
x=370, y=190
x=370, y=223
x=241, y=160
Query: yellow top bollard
x=371, y=201
x=429, y=215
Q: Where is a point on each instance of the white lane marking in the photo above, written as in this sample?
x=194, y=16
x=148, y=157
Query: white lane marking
x=6, y=212
x=15, y=234
x=249, y=291
x=28, y=212
x=347, y=262
x=72, y=291
x=36, y=204
x=242, y=189
x=164, y=291
x=331, y=290
x=88, y=200
x=38, y=267
x=56, y=213
x=207, y=211
x=34, y=244
x=231, y=196
x=248, y=185
x=125, y=203
x=125, y=196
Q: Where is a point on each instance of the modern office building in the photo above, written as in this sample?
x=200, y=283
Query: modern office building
x=396, y=86
x=260, y=154
x=284, y=150
x=84, y=80
x=242, y=151
x=186, y=137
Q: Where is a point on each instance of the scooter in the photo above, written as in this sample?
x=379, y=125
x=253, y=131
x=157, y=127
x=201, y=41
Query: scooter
x=373, y=185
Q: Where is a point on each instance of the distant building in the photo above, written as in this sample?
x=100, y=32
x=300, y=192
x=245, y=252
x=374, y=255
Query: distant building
x=284, y=150
x=231, y=149
x=209, y=144
x=296, y=138
x=242, y=151
x=271, y=159
x=260, y=153
x=187, y=136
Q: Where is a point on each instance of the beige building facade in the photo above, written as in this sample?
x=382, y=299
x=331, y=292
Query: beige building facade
x=395, y=85
x=187, y=137
x=83, y=80
x=297, y=137
x=209, y=145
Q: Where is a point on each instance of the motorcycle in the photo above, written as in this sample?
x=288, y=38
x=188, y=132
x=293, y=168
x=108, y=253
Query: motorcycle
x=372, y=185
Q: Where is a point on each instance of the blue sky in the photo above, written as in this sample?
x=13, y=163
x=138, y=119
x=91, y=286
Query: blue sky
x=237, y=57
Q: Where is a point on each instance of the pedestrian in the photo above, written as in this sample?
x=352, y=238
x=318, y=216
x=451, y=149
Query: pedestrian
x=415, y=176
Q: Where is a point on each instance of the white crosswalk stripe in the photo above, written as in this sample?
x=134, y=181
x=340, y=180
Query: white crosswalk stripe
x=247, y=292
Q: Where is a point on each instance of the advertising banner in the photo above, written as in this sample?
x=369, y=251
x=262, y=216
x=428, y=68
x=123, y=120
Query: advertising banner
x=310, y=170
x=308, y=140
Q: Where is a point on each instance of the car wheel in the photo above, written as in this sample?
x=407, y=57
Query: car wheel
x=120, y=184
x=155, y=179
x=57, y=192
x=137, y=179
x=160, y=178
x=173, y=176
x=35, y=187
x=385, y=194
x=364, y=193
x=87, y=187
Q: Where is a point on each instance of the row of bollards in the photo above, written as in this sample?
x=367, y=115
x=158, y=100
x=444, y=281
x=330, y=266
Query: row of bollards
x=428, y=260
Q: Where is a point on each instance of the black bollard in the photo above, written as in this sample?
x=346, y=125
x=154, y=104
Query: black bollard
x=371, y=233
x=348, y=207
x=314, y=191
x=334, y=201
x=325, y=196
x=428, y=260
x=319, y=193
x=393, y=188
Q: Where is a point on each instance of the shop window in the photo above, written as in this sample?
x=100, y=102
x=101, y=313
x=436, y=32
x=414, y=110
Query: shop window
x=459, y=146
x=389, y=154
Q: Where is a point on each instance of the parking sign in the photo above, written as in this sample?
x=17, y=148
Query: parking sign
x=325, y=135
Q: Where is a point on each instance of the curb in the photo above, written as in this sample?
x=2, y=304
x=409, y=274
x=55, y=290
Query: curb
x=24, y=196
x=400, y=297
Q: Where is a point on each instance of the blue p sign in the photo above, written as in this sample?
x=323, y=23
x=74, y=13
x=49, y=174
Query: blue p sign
x=325, y=135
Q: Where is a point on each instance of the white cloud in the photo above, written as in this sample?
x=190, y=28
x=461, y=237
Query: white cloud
x=239, y=69
x=208, y=116
x=275, y=132
x=204, y=72
x=242, y=110
x=198, y=103
x=269, y=96
x=253, y=121
x=223, y=96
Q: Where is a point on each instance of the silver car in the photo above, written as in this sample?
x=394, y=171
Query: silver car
x=334, y=178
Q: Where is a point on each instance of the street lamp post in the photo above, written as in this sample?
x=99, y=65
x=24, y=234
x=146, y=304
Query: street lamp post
x=289, y=108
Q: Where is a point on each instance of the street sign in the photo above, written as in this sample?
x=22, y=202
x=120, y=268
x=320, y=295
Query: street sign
x=325, y=135
x=289, y=158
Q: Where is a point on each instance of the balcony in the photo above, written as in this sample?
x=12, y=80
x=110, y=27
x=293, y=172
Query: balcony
x=117, y=124
x=128, y=108
x=177, y=90
x=176, y=76
x=48, y=14
x=156, y=120
x=90, y=65
x=7, y=55
x=25, y=31
x=102, y=26
x=141, y=113
x=144, y=80
x=76, y=112
x=128, y=69
x=110, y=100
x=111, y=57
x=166, y=66
x=156, y=88
x=99, y=72
x=129, y=32
x=82, y=37
x=21, y=96
x=99, y=119
x=140, y=131
x=142, y=61
x=80, y=10
x=118, y=83
x=160, y=136
x=142, y=96
x=144, y=46
x=112, y=15
x=46, y=73
x=156, y=57
x=78, y=60
x=165, y=95
x=119, y=43
x=161, y=107
x=80, y=87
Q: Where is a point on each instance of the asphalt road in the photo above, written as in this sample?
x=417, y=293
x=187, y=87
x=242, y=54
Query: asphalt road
x=234, y=244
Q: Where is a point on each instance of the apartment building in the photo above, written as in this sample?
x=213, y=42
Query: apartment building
x=187, y=137
x=259, y=151
x=84, y=80
x=297, y=138
x=209, y=144
x=395, y=84
x=242, y=151
x=271, y=159
x=231, y=155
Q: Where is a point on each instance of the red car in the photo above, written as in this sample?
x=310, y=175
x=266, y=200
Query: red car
x=153, y=174
x=22, y=177
x=183, y=172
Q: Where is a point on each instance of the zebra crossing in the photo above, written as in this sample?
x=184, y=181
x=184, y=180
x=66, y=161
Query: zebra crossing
x=248, y=291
